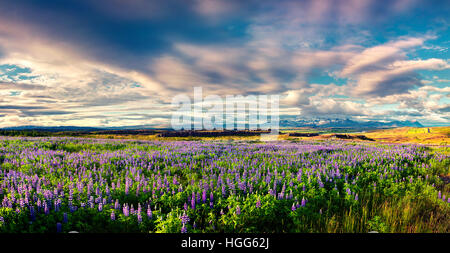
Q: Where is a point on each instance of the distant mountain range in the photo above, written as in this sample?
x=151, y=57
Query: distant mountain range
x=347, y=123
x=286, y=123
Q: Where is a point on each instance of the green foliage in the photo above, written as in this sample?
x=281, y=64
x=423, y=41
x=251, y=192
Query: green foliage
x=375, y=224
x=397, y=187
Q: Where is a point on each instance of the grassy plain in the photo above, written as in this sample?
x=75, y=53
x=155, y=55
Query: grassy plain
x=424, y=135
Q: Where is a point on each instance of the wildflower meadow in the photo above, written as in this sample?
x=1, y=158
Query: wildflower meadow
x=62, y=184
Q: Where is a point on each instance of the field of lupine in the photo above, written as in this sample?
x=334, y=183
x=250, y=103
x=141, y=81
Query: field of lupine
x=55, y=185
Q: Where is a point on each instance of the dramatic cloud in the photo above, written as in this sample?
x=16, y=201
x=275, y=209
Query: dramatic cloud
x=120, y=62
x=399, y=77
x=382, y=70
x=376, y=58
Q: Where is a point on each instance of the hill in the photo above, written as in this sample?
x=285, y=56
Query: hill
x=324, y=123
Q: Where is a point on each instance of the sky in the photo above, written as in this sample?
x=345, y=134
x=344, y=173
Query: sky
x=120, y=62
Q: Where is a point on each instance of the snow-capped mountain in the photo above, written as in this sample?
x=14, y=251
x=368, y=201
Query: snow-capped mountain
x=346, y=123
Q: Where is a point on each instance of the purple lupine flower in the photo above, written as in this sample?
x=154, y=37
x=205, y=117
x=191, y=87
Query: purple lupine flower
x=439, y=194
x=293, y=207
x=223, y=191
x=303, y=202
x=113, y=215
x=183, y=229
x=149, y=212
x=137, y=190
x=65, y=218
x=58, y=227
x=126, y=211
x=193, y=203
x=238, y=210
x=21, y=202
x=46, y=210
x=258, y=203
x=139, y=217
x=185, y=206
x=356, y=197
x=100, y=207
x=91, y=202
x=184, y=218
x=204, y=196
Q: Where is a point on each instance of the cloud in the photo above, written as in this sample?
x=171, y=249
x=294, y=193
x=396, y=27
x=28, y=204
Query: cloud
x=28, y=113
x=20, y=86
x=214, y=8
x=433, y=88
x=383, y=70
x=113, y=62
x=375, y=58
x=445, y=108
x=397, y=77
x=297, y=97
x=19, y=107
x=330, y=106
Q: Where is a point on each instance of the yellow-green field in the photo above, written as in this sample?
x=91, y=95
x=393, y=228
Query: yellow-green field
x=425, y=135
x=190, y=138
